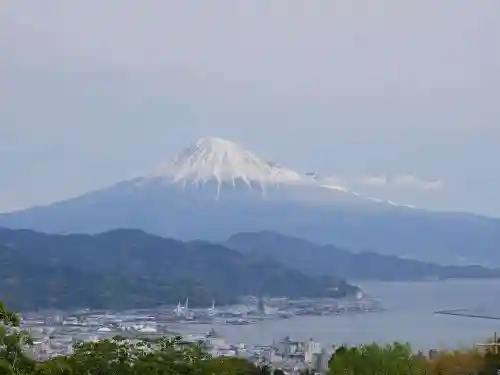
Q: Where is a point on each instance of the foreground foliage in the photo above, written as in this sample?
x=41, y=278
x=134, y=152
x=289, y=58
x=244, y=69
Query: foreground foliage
x=398, y=359
x=374, y=359
x=167, y=357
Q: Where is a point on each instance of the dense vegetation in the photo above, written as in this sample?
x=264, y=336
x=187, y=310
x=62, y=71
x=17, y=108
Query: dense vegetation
x=314, y=259
x=171, y=357
x=130, y=268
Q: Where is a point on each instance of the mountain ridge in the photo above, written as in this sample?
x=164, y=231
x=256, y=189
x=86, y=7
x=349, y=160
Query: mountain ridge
x=313, y=208
x=126, y=268
x=314, y=259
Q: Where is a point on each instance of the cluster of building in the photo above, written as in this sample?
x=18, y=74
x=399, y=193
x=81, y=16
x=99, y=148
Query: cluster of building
x=56, y=333
x=295, y=356
x=290, y=356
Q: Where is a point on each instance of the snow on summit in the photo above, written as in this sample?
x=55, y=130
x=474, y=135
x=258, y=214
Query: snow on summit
x=224, y=161
x=220, y=162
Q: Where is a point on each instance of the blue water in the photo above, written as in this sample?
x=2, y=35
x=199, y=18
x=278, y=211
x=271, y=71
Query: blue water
x=409, y=318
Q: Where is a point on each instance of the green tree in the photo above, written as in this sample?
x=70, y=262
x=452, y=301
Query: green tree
x=374, y=359
x=56, y=366
x=13, y=359
x=491, y=363
x=232, y=366
x=7, y=317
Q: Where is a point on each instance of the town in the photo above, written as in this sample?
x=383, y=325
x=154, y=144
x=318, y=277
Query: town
x=55, y=333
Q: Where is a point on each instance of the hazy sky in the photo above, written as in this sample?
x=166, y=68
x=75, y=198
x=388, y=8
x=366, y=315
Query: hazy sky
x=398, y=99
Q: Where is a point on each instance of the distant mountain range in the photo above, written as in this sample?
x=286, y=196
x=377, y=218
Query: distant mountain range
x=130, y=268
x=317, y=260
x=215, y=188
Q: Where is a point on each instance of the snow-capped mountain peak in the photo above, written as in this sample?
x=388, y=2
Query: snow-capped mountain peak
x=223, y=161
x=220, y=164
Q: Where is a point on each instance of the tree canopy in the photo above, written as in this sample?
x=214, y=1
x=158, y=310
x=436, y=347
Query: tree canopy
x=374, y=359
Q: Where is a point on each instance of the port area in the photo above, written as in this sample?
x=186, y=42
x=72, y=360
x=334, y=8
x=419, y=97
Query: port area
x=55, y=332
x=252, y=310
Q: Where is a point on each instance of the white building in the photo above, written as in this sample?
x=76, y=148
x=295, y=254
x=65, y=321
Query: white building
x=311, y=348
x=288, y=347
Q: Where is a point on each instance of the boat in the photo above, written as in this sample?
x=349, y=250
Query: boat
x=238, y=322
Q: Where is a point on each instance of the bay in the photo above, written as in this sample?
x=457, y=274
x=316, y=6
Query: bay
x=409, y=317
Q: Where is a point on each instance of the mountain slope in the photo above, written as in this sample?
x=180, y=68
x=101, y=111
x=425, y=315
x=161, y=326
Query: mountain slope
x=215, y=188
x=314, y=259
x=130, y=268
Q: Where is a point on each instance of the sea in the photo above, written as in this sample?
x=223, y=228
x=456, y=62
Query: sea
x=408, y=316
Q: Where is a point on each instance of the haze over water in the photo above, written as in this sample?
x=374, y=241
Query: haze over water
x=410, y=317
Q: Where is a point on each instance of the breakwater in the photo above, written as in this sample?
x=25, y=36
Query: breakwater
x=466, y=313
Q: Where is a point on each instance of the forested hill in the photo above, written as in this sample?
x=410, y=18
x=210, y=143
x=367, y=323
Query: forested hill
x=314, y=259
x=130, y=268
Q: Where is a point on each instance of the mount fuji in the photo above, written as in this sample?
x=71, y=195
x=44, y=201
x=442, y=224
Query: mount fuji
x=218, y=169
x=215, y=188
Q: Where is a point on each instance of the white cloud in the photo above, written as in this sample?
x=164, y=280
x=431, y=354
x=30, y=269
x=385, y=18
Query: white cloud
x=334, y=180
x=412, y=181
x=374, y=180
x=408, y=181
